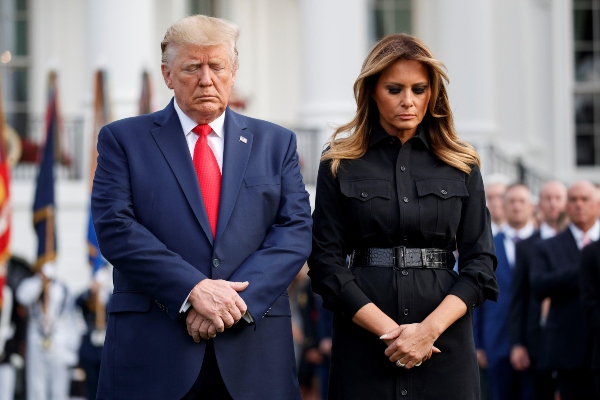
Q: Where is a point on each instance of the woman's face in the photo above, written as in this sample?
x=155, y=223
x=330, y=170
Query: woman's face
x=402, y=95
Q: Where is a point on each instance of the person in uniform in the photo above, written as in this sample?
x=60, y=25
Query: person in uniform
x=53, y=335
x=398, y=192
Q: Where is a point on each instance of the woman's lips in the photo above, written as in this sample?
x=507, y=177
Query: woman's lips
x=406, y=116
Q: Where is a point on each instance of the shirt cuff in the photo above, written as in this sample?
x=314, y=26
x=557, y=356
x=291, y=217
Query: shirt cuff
x=186, y=304
x=467, y=293
x=353, y=299
x=248, y=318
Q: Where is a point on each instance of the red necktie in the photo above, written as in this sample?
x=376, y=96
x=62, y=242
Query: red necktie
x=209, y=175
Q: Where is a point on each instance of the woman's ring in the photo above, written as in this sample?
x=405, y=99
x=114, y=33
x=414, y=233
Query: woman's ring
x=418, y=364
x=399, y=364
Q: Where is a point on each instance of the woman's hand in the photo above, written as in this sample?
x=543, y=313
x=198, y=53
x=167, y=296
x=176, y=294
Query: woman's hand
x=410, y=344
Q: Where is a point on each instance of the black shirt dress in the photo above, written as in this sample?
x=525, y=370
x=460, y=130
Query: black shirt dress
x=401, y=195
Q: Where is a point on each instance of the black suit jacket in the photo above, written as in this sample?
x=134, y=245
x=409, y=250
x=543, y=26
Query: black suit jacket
x=524, y=312
x=555, y=274
x=589, y=277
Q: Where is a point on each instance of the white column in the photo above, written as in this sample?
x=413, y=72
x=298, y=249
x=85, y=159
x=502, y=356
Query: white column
x=335, y=43
x=118, y=35
x=561, y=108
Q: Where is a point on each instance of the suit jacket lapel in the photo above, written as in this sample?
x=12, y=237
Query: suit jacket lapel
x=171, y=141
x=238, y=144
x=571, y=243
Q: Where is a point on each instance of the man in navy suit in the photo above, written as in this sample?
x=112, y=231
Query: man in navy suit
x=525, y=309
x=490, y=321
x=589, y=279
x=206, y=220
x=555, y=274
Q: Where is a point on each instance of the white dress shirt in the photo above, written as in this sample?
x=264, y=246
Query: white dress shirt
x=496, y=228
x=216, y=139
x=546, y=231
x=510, y=234
x=593, y=233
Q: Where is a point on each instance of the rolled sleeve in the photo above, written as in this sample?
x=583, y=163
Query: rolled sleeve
x=477, y=254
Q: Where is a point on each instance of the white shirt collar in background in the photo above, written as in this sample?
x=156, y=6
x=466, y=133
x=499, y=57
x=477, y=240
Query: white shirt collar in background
x=509, y=244
x=546, y=231
x=593, y=233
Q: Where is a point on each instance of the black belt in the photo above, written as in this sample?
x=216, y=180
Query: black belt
x=402, y=257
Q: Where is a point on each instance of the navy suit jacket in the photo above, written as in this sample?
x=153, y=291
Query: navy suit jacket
x=589, y=279
x=554, y=274
x=152, y=227
x=490, y=320
x=524, y=312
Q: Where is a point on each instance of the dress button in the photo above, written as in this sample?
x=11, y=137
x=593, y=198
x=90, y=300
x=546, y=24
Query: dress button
x=364, y=194
x=215, y=262
x=405, y=199
x=402, y=168
x=444, y=192
x=405, y=311
x=404, y=272
x=404, y=392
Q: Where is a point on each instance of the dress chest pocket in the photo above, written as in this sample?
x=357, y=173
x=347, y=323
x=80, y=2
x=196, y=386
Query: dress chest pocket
x=440, y=205
x=367, y=202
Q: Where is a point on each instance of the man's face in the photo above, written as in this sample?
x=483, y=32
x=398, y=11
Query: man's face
x=202, y=78
x=494, y=194
x=553, y=201
x=518, y=207
x=582, y=205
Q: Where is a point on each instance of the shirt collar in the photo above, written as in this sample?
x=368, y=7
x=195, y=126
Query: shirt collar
x=218, y=125
x=546, y=231
x=522, y=233
x=593, y=232
x=377, y=134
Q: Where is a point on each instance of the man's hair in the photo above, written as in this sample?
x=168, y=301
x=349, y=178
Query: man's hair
x=200, y=30
x=518, y=185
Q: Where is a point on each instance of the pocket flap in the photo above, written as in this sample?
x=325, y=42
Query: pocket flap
x=366, y=189
x=262, y=180
x=281, y=307
x=128, y=301
x=443, y=188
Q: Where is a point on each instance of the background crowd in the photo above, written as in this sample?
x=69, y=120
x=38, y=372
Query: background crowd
x=534, y=343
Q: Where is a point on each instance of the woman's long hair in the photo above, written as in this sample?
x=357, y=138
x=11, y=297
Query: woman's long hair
x=350, y=141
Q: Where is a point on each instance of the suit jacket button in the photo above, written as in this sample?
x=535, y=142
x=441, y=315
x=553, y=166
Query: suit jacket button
x=215, y=262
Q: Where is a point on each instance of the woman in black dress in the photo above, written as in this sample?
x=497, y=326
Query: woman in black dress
x=397, y=193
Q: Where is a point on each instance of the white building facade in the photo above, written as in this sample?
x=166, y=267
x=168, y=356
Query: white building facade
x=525, y=79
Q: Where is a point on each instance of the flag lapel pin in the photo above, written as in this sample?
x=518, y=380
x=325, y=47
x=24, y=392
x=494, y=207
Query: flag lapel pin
x=243, y=139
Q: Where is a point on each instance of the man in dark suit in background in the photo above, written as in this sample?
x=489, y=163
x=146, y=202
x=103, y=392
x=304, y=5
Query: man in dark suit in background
x=555, y=274
x=525, y=310
x=199, y=210
x=589, y=279
x=490, y=320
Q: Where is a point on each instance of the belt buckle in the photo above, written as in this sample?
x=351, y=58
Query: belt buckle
x=399, y=257
x=429, y=261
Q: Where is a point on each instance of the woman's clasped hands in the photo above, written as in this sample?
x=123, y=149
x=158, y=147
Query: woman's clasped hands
x=410, y=345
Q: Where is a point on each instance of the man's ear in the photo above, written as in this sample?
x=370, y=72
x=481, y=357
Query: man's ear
x=166, y=73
